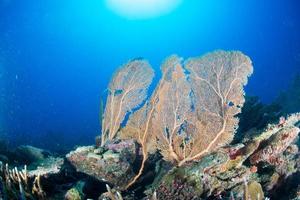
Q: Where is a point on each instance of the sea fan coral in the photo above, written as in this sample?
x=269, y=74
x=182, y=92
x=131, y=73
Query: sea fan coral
x=191, y=112
x=172, y=110
x=157, y=123
x=193, y=109
x=127, y=90
x=217, y=80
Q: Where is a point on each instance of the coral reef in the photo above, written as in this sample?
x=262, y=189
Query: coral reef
x=190, y=119
x=192, y=111
x=29, y=154
x=76, y=192
x=112, y=163
x=226, y=171
x=217, y=81
x=34, y=174
x=277, y=144
x=15, y=184
x=111, y=194
x=257, y=115
x=174, y=144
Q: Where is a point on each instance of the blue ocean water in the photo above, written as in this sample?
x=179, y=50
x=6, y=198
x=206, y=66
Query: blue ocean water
x=57, y=57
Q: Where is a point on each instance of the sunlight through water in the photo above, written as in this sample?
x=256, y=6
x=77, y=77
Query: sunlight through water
x=142, y=9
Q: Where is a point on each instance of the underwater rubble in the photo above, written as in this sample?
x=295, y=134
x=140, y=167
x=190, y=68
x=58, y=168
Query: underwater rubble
x=176, y=144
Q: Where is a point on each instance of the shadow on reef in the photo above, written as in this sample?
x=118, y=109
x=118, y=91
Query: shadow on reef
x=176, y=144
x=256, y=115
x=287, y=187
x=290, y=99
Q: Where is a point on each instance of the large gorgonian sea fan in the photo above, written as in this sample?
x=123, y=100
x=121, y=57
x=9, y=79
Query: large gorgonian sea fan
x=217, y=81
x=157, y=123
x=195, y=105
x=127, y=90
x=192, y=110
x=173, y=108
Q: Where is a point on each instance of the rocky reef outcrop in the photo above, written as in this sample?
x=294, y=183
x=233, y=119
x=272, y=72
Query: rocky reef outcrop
x=261, y=164
x=112, y=163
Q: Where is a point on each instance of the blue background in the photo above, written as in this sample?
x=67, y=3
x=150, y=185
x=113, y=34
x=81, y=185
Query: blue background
x=59, y=55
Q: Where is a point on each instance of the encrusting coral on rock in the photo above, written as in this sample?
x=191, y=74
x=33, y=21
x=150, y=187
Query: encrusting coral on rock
x=111, y=163
x=227, y=168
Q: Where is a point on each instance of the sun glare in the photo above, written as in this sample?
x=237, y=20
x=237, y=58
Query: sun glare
x=142, y=9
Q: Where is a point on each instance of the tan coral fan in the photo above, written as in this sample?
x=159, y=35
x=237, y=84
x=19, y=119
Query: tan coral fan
x=127, y=90
x=187, y=119
x=192, y=110
x=172, y=110
x=217, y=81
x=149, y=124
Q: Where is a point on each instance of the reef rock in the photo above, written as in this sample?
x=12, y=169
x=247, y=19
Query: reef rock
x=205, y=178
x=29, y=154
x=238, y=171
x=47, y=167
x=112, y=163
x=277, y=144
x=75, y=193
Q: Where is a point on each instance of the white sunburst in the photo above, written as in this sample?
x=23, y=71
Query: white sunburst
x=142, y=9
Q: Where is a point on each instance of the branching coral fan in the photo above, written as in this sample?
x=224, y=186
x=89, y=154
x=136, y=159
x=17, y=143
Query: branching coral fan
x=127, y=90
x=191, y=112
